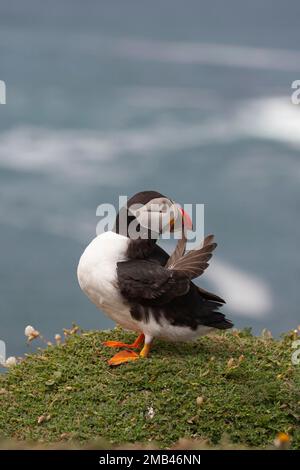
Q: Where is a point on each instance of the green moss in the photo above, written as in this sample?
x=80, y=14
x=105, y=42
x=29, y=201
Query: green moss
x=249, y=398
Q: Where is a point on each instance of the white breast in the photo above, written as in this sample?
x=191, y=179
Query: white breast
x=97, y=276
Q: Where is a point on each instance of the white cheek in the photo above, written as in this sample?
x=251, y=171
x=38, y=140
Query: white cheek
x=166, y=221
x=156, y=222
x=150, y=221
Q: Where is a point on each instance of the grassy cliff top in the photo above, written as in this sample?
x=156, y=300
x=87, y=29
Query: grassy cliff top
x=231, y=383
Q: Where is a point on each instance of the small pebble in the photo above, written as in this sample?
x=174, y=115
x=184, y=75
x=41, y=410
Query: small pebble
x=199, y=401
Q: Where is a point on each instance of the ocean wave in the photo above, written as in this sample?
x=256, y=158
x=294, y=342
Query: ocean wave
x=271, y=118
x=209, y=53
x=78, y=153
x=179, y=52
x=246, y=294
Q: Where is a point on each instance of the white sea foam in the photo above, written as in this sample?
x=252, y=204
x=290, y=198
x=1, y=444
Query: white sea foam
x=78, y=154
x=37, y=149
x=181, y=52
x=90, y=157
x=273, y=118
x=245, y=293
x=209, y=53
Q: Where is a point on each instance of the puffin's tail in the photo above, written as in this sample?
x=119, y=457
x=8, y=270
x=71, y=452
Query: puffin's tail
x=219, y=321
x=206, y=309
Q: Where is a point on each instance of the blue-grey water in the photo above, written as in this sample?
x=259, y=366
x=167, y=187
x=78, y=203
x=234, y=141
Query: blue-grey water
x=107, y=98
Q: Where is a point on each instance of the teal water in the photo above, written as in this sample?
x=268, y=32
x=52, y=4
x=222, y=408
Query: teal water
x=108, y=98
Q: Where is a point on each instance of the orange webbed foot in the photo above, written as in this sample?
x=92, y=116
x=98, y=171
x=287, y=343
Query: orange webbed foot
x=123, y=357
x=119, y=344
x=116, y=344
x=128, y=356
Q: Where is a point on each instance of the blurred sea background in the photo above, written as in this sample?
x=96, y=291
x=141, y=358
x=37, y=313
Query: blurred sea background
x=106, y=98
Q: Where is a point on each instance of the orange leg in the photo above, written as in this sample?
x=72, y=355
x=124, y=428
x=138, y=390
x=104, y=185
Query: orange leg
x=118, y=344
x=128, y=356
x=146, y=350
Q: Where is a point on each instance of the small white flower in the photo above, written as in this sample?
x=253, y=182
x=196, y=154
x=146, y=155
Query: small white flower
x=150, y=412
x=43, y=418
x=31, y=333
x=29, y=330
x=10, y=361
x=57, y=338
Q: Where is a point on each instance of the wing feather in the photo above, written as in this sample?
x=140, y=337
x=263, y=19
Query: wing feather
x=194, y=263
x=147, y=281
x=178, y=252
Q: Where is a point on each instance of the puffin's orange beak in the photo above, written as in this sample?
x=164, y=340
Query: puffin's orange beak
x=186, y=220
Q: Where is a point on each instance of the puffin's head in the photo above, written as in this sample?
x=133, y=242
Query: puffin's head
x=149, y=214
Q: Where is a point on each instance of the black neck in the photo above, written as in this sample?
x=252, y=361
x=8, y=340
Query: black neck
x=141, y=247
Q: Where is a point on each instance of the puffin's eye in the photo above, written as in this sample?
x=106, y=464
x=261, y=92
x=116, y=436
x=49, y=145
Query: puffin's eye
x=164, y=208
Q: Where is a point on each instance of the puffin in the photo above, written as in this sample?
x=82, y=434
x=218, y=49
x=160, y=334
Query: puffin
x=130, y=278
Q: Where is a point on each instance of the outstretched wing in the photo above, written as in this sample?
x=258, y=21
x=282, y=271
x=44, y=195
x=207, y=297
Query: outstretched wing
x=178, y=252
x=160, y=256
x=146, y=281
x=194, y=263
